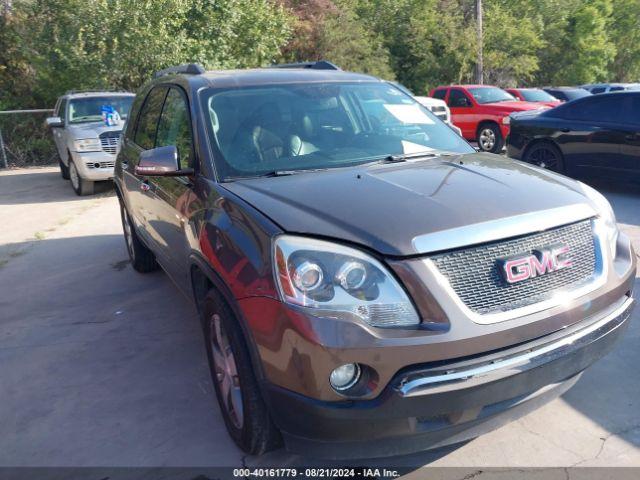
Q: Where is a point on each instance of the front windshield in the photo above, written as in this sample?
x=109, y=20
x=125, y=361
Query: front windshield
x=491, y=95
x=89, y=109
x=535, y=95
x=263, y=129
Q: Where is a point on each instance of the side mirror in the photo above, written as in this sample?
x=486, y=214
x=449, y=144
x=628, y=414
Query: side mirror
x=161, y=162
x=54, y=122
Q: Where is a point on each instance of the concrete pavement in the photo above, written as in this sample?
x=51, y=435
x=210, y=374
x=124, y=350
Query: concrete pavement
x=102, y=366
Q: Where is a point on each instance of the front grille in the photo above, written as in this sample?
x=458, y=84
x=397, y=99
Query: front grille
x=440, y=108
x=474, y=275
x=109, y=142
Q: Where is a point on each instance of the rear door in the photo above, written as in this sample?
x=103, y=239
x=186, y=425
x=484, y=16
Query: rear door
x=591, y=136
x=630, y=161
x=171, y=195
x=462, y=115
x=142, y=137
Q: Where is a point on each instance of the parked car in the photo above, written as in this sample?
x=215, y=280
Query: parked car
x=438, y=107
x=86, y=129
x=596, y=136
x=596, y=88
x=482, y=112
x=367, y=283
x=534, y=95
x=566, y=94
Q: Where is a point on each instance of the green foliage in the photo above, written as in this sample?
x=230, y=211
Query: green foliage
x=57, y=45
x=49, y=46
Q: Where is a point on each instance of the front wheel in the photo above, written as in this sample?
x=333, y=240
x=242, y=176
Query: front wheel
x=244, y=411
x=64, y=170
x=490, y=138
x=80, y=185
x=545, y=155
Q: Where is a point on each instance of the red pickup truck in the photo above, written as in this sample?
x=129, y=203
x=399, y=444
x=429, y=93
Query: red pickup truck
x=482, y=112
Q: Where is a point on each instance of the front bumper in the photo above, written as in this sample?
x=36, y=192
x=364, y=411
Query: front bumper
x=94, y=165
x=439, y=404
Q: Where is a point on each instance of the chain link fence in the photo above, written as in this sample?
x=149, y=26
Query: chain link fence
x=24, y=138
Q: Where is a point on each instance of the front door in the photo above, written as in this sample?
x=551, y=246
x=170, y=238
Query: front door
x=58, y=132
x=171, y=195
x=462, y=115
x=143, y=137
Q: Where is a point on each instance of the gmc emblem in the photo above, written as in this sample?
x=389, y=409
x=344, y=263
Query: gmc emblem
x=542, y=261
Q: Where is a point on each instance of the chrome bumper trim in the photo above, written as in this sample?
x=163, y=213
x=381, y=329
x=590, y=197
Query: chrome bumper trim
x=465, y=378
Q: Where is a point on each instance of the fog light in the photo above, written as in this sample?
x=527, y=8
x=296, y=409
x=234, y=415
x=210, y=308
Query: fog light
x=345, y=376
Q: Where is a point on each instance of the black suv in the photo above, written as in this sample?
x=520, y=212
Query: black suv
x=367, y=283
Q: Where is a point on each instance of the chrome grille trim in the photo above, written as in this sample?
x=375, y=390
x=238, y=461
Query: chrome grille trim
x=474, y=274
x=442, y=289
x=501, y=228
x=109, y=142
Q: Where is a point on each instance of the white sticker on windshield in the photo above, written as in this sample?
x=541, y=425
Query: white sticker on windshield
x=409, y=114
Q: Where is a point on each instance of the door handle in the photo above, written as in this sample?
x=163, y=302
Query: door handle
x=632, y=137
x=565, y=130
x=144, y=186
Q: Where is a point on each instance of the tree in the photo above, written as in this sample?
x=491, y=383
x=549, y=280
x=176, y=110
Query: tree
x=625, y=35
x=586, y=48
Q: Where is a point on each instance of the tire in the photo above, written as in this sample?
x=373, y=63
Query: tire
x=244, y=411
x=64, y=170
x=545, y=155
x=489, y=138
x=142, y=259
x=80, y=185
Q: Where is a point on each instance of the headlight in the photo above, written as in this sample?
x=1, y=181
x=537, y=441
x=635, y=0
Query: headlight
x=506, y=120
x=606, y=216
x=87, y=145
x=336, y=281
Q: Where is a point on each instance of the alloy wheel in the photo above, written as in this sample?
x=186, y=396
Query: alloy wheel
x=487, y=139
x=545, y=158
x=226, y=372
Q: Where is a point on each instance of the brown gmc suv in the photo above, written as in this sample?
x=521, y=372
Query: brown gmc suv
x=367, y=283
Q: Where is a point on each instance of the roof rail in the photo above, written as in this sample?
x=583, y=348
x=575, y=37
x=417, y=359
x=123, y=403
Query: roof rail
x=95, y=90
x=188, y=68
x=319, y=65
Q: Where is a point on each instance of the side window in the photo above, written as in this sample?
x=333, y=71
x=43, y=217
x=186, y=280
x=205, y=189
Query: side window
x=62, y=109
x=457, y=98
x=174, y=127
x=440, y=93
x=602, y=109
x=145, y=135
x=597, y=90
x=616, y=89
x=630, y=110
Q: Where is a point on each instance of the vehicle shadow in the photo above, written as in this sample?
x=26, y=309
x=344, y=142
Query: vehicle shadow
x=42, y=185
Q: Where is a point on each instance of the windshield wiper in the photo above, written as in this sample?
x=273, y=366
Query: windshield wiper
x=403, y=157
x=273, y=173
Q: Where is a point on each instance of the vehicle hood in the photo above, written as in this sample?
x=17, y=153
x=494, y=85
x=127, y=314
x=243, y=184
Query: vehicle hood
x=386, y=206
x=515, y=106
x=92, y=129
